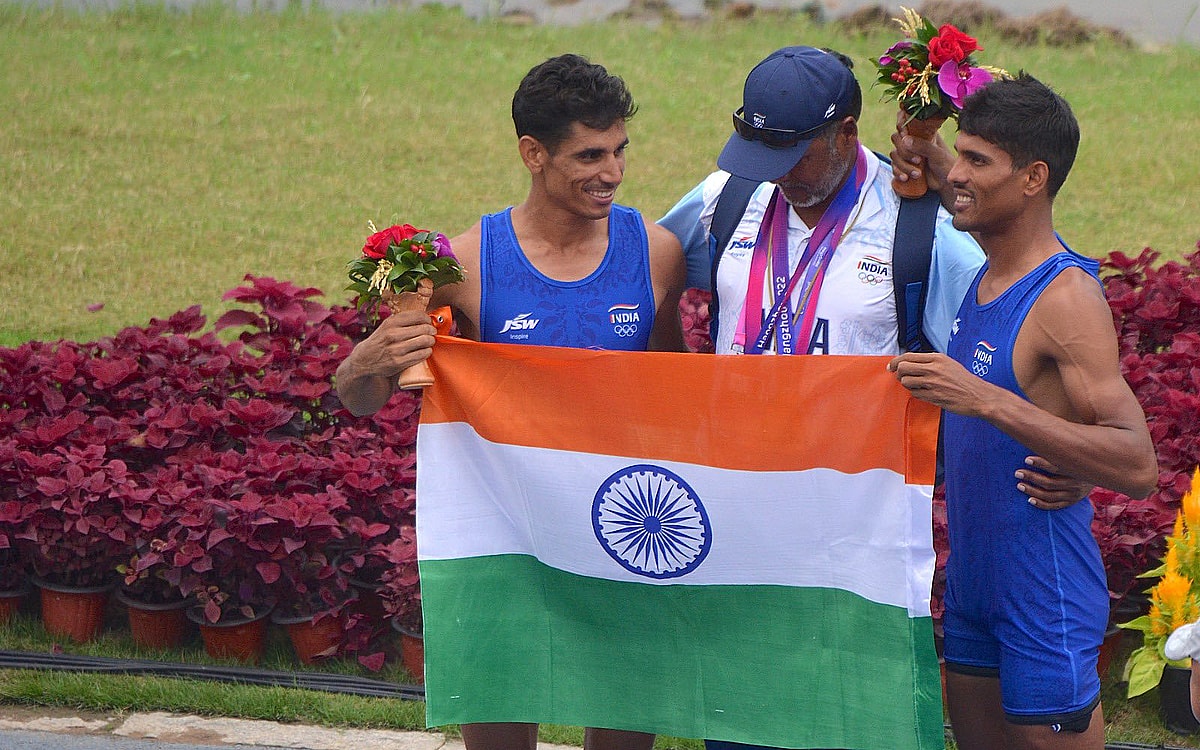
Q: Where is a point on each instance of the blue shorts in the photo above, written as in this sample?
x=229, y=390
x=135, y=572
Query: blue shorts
x=1046, y=663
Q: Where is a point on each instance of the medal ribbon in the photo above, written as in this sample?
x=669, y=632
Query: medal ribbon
x=771, y=246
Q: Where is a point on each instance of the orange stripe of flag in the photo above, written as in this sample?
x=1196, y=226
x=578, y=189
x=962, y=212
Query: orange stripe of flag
x=744, y=413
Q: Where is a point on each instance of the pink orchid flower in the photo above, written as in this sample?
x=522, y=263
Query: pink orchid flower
x=441, y=246
x=960, y=81
x=887, y=58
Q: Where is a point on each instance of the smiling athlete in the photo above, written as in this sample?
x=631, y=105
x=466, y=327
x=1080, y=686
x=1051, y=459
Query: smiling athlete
x=567, y=267
x=1031, y=367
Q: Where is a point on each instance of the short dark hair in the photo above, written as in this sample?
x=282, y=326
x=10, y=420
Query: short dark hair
x=1026, y=119
x=565, y=90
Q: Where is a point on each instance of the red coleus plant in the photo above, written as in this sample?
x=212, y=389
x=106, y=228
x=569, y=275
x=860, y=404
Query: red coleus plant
x=400, y=590
x=73, y=527
x=257, y=533
x=1156, y=311
x=236, y=456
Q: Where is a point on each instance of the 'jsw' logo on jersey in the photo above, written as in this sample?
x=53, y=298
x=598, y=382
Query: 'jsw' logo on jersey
x=520, y=323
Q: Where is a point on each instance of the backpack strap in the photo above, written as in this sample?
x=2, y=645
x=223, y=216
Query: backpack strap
x=731, y=206
x=912, y=251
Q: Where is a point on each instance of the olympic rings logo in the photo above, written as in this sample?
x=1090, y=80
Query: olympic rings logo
x=871, y=279
x=625, y=331
x=979, y=368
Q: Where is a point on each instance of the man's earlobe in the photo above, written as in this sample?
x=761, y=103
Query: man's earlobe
x=533, y=153
x=1037, y=177
x=849, y=129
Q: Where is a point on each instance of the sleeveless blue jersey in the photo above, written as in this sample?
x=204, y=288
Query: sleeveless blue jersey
x=610, y=308
x=1014, y=568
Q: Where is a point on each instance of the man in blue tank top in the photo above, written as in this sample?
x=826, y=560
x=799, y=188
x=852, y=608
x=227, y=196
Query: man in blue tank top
x=1031, y=367
x=567, y=267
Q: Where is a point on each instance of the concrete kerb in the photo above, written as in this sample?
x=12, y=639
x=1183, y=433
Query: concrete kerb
x=187, y=729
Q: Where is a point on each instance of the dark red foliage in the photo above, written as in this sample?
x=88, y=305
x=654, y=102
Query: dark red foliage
x=187, y=465
x=1156, y=311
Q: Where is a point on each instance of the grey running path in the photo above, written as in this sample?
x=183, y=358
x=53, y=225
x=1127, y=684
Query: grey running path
x=22, y=740
x=23, y=728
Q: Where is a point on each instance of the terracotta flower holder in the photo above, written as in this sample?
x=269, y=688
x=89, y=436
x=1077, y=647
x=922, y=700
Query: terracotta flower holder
x=154, y=625
x=926, y=130
x=419, y=375
x=73, y=612
x=243, y=639
x=10, y=603
x=412, y=652
x=313, y=641
x=1108, y=650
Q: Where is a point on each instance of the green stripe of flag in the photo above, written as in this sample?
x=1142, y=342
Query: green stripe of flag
x=510, y=639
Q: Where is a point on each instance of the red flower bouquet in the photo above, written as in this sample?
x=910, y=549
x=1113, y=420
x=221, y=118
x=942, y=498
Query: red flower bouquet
x=397, y=259
x=929, y=73
x=401, y=266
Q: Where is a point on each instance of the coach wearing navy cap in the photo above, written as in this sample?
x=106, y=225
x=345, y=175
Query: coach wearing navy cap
x=807, y=267
x=808, y=270
x=788, y=99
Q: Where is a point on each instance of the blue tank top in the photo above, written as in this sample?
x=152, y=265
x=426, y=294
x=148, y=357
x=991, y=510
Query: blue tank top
x=1005, y=553
x=610, y=308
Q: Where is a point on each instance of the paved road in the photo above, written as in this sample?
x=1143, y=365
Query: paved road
x=23, y=740
x=26, y=728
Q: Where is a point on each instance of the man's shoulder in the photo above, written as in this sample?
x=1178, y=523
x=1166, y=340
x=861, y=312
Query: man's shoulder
x=468, y=241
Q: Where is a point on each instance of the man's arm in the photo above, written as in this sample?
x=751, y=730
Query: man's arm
x=366, y=379
x=683, y=220
x=668, y=274
x=910, y=156
x=1083, y=417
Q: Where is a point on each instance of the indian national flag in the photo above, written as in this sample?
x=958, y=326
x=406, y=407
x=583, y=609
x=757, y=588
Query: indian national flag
x=734, y=548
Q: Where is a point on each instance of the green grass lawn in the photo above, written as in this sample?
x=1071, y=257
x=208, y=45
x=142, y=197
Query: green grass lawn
x=153, y=158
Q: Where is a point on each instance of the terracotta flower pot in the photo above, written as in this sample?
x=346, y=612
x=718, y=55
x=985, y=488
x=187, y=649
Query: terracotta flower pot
x=240, y=638
x=154, y=625
x=10, y=602
x=1108, y=649
x=412, y=652
x=73, y=612
x=312, y=641
x=369, y=603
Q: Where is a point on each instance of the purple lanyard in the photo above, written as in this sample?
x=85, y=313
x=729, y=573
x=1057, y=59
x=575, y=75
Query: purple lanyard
x=810, y=271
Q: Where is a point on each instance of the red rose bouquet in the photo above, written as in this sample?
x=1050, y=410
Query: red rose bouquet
x=929, y=73
x=397, y=259
x=401, y=266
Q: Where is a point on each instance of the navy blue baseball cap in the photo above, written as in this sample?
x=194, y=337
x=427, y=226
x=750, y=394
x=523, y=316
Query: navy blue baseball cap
x=787, y=100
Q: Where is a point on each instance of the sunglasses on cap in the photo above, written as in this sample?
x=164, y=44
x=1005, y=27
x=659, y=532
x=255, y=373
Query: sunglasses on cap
x=772, y=137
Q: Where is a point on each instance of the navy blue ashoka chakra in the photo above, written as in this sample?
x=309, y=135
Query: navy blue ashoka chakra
x=651, y=522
